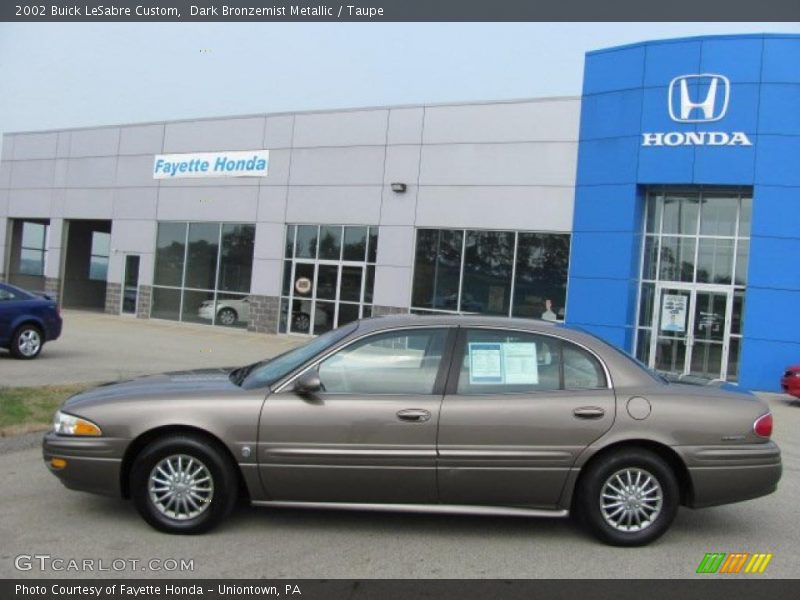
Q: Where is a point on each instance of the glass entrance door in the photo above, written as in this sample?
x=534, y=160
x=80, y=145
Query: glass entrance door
x=692, y=328
x=130, y=284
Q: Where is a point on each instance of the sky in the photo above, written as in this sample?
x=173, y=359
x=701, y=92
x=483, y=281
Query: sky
x=75, y=75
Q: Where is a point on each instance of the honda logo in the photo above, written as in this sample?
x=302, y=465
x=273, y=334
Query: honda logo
x=698, y=98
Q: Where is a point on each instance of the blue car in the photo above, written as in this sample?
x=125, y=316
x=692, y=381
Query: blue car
x=27, y=321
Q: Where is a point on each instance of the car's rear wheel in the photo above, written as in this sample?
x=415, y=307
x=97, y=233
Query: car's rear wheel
x=183, y=484
x=628, y=498
x=27, y=342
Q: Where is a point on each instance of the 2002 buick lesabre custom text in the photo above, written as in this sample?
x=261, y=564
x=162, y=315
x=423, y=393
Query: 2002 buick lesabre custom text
x=470, y=415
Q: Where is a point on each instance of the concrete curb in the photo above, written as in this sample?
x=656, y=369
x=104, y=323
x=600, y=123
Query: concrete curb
x=17, y=443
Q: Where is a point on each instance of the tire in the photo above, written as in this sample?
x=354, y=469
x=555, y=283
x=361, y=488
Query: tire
x=301, y=323
x=178, y=450
x=612, y=473
x=27, y=342
x=227, y=316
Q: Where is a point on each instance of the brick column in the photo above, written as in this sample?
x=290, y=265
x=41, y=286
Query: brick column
x=144, y=302
x=264, y=314
x=113, y=298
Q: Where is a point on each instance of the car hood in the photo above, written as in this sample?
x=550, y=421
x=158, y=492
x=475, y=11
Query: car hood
x=177, y=383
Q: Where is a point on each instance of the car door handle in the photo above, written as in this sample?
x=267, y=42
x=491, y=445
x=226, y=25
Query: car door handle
x=588, y=412
x=414, y=415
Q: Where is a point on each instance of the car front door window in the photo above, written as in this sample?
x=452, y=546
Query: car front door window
x=405, y=362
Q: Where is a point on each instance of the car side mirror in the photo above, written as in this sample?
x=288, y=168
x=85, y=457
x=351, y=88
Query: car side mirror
x=308, y=383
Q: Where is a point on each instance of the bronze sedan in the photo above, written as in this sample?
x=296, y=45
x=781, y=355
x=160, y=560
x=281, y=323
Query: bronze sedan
x=473, y=415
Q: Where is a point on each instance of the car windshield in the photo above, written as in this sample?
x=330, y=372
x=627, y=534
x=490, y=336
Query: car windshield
x=267, y=372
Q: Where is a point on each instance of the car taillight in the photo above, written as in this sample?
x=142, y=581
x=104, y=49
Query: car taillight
x=763, y=425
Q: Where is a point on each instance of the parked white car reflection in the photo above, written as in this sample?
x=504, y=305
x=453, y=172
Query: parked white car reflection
x=229, y=311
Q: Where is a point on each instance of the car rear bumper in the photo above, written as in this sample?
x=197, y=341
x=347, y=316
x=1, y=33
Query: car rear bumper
x=92, y=464
x=726, y=474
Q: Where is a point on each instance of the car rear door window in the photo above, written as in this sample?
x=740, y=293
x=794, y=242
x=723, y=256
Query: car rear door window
x=581, y=370
x=498, y=362
x=398, y=362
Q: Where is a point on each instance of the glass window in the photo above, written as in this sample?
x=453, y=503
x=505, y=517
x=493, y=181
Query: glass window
x=98, y=262
x=355, y=243
x=306, y=241
x=502, y=362
x=204, y=281
x=719, y=215
x=437, y=268
x=330, y=242
x=677, y=258
x=742, y=256
x=236, y=258
x=351, y=284
x=322, y=277
x=680, y=214
x=290, y=229
x=649, y=263
x=201, y=255
x=372, y=249
x=271, y=370
x=581, y=370
x=404, y=362
x=540, y=287
x=31, y=262
x=745, y=216
x=488, y=258
x=6, y=295
x=170, y=254
x=166, y=304
x=32, y=248
x=232, y=310
x=715, y=261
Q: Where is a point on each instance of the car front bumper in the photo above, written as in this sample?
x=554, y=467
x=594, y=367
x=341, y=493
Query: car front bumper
x=791, y=385
x=726, y=474
x=92, y=464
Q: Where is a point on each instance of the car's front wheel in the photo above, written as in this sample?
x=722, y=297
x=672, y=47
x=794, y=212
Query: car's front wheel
x=27, y=342
x=628, y=498
x=227, y=316
x=183, y=484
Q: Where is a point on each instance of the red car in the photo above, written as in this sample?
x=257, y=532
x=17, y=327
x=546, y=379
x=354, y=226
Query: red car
x=790, y=382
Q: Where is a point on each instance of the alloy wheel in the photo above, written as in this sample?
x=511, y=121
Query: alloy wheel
x=631, y=499
x=181, y=487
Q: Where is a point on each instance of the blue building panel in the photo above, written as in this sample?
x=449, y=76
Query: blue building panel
x=763, y=363
x=778, y=112
x=607, y=208
x=780, y=62
x=726, y=165
x=768, y=252
x=668, y=60
x=693, y=139
x=739, y=59
x=611, y=71
x=775, y=212
x=778, y=160
x=618, y=260
x=611, y=114
x=608, y=161
x=665, y=165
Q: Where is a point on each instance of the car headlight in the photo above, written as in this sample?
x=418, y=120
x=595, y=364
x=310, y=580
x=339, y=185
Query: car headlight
x=64, y=424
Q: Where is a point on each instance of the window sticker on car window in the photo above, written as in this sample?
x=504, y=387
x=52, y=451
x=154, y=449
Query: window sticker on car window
x=508, y=363
x=485, y=363
x=519, y=364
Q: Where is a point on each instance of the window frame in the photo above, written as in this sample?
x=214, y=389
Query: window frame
x=451, y=334
x=459, y=352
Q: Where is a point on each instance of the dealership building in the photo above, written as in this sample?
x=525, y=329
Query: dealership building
x=658, y=210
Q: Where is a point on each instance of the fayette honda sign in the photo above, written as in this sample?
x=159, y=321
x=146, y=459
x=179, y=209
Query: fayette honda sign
x=249, y=163
x=697, y=99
